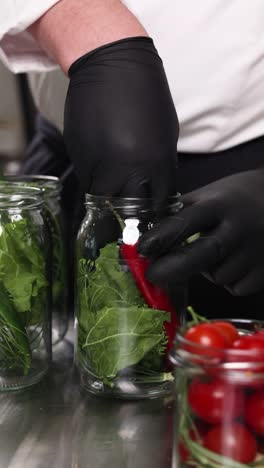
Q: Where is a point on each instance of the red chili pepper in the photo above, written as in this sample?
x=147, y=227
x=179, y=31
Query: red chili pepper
x=154, y=296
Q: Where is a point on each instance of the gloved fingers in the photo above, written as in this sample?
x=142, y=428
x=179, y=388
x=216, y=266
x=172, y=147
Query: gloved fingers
x=215, y=191
x=178, y=266
x=130, y=183
x=103, y=184
x=158, y=184
x=137, y=186
x=232, y=268
x=252, y=283
x=174, y=230
x=190, y=198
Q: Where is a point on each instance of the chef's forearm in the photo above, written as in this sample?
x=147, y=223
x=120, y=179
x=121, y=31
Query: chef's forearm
x=71, y=28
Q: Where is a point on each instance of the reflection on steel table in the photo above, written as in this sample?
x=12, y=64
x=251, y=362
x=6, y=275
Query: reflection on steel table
x=55, y=425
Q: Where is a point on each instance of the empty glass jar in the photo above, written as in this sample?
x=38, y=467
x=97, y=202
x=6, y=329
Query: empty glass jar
x=219, y=419
x=25, y=321
x=51, y=187
x=125, y=325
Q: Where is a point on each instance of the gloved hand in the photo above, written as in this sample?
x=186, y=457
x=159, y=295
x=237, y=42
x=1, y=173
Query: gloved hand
x=229, y=214
x=120, y=125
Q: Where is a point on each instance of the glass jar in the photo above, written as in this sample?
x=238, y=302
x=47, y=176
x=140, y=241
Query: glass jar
x=52, y=211
x=25, y=341
x=219, y=417
x=125, y=326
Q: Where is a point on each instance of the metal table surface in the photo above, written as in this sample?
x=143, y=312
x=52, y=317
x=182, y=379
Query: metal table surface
x=55, y=425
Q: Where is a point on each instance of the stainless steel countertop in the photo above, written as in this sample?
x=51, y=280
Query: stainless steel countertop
x=55, y=425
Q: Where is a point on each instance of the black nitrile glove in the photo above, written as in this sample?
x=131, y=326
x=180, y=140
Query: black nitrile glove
x=120, y=126
x=229, y=214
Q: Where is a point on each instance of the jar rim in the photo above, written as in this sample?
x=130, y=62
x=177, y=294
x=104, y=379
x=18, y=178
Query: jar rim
x=186, y=352
x=51, y=185
x=15, y=197
x=125, y=202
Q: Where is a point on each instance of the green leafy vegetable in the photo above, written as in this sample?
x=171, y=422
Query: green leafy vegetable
x=22, y=266
x=103, y=283
x=51, y=216
x=22, y=285
x=117, y=329
x=121, y=337
x=14, y=344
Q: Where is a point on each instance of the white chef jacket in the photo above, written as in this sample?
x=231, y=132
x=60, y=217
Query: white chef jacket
x=213, y=53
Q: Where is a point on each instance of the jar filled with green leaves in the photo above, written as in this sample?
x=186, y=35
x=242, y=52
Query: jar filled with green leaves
x=125, y=325
x=52, y=188
x=25, y=322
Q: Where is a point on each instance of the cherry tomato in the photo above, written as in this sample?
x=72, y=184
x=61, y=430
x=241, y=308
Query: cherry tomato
x=253, y=343
x=183, y=452
x=216, y=401
x=228, y=330
x=254, y=412
x=233, y=441
x=210, y=340
x=250, y=348
x=260, y=334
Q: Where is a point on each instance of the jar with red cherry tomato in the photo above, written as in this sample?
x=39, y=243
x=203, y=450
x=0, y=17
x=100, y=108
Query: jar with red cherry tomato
x=219, y=370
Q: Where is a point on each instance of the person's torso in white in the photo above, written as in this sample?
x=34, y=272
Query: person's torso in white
x=213, y=53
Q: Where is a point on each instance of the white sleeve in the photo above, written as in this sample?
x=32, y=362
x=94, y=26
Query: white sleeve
x=18, y=50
